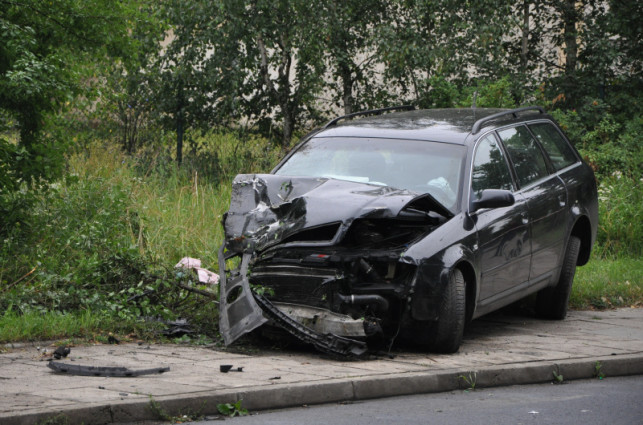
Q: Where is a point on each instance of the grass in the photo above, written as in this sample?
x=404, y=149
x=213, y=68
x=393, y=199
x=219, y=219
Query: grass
x=34, y=326
x=181, y=219
x=607, y=283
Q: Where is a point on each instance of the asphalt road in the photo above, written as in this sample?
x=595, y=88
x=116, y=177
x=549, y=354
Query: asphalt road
x=613, y=401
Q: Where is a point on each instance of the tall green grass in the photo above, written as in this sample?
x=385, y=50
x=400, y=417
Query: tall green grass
x=31, y=326
x=178, y=210
x=113, y=230
x=620, y=227
x=606, y=283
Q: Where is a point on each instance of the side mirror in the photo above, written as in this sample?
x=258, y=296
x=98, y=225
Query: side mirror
x=493, y=198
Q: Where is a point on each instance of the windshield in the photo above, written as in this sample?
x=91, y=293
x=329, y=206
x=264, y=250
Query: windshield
x=420, y=166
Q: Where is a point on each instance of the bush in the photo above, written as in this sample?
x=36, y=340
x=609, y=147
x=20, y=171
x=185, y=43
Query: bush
x=77, y=228
x=620, y=230
x=607, y=143
x=105, y=239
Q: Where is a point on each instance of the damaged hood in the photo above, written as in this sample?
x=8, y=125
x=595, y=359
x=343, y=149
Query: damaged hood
x=265, y=208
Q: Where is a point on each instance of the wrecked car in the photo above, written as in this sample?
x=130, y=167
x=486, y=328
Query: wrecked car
x=407, y=223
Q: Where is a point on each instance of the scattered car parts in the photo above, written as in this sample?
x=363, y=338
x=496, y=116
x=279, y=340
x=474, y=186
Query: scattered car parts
x=102, y=370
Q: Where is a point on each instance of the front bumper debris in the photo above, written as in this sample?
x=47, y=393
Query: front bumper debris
x=241, y=311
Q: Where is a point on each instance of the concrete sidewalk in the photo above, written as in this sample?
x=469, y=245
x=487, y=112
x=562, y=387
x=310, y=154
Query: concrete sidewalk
x=497, y=350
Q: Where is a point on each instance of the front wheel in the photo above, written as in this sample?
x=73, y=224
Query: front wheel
x=552, y=301
x=447, y=331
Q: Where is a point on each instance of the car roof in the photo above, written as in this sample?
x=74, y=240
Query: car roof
x=441, y=125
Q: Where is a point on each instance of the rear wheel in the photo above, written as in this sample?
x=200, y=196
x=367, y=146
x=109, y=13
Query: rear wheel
x=552, y=301
x=447, y=331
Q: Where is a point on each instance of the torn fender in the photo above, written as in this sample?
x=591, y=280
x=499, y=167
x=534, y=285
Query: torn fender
x=238, y=310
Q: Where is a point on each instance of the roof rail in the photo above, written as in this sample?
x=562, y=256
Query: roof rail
x=514, y=112
x=370, y=112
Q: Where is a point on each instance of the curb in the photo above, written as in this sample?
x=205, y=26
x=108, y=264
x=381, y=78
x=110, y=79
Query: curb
x=358, y=388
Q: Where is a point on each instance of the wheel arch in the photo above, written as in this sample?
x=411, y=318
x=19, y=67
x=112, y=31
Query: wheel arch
x=471, y=289
x=583, y=230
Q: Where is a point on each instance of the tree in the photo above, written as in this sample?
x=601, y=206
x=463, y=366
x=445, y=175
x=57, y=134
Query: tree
x=129, y=95
x=44, y=45
x=181, y=87
x=348, y=36
x=44, y=49
x=267, y=60
x=433, y=49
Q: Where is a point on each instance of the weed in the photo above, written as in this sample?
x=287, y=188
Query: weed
x=598, y=374
x=55, y=420
x=232, y=409
x=469, y=380
x=160, y=413
x=558, y=377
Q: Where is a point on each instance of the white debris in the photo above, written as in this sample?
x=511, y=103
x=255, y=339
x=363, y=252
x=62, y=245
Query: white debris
x=205, y=276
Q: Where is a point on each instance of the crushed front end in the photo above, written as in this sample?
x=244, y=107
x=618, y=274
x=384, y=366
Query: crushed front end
x=326, y=256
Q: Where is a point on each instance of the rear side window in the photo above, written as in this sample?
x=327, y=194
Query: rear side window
x=489, y=168
x=559, y=151
x=527, y=158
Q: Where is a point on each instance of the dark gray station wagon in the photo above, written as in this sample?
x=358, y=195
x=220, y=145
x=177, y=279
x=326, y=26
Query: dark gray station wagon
x=401, y=223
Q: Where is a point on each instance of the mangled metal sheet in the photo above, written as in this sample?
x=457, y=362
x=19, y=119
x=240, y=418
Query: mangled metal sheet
x=238, y=310
x=267, y=211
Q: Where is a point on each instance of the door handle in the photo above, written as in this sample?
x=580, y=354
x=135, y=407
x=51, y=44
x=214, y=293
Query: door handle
x=524, y=218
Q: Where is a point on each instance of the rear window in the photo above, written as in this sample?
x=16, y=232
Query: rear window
x=559, y=151
x=526, y=156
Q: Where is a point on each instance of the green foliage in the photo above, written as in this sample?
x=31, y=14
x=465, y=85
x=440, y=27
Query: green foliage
x=45, y=46
x=55, y=420
x=47, y=53
x=469, y=381
x=608, y=283
x=598, y=374
x=105, y=239
x=346, y=32
x=558, y=377
x=495, y=94
x=232, y=409
x=157, y=410
x=50, y=325
x=620, y=229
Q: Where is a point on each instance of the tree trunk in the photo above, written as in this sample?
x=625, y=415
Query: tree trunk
x=570, y=18
x=179, y=139
x=524, y=45
x=180, y=123
x=347, y=88
x=289, y=123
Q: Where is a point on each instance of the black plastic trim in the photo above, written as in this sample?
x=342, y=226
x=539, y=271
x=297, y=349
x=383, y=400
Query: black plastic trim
x=478, y=124
x=369, y=112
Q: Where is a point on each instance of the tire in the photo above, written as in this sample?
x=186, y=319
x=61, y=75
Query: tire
x=447, y=331
x=551, y=302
